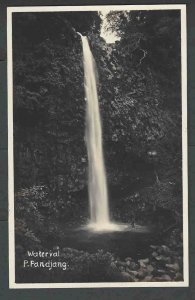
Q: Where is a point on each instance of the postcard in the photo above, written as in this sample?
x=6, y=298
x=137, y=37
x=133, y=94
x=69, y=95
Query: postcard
x=97, y=147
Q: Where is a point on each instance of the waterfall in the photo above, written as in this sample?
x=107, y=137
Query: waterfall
x=97, y=185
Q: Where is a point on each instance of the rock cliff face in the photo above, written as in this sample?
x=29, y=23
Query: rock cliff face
x=48, y=102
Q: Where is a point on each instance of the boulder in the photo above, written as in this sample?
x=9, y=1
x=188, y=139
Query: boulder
x=121, y=263
x=154, y=254
x=178, y=277
x=166, y=277
x=141, y=273
x=150, y=268
x=113, y=266
x=163, y=258
x=143, y=262
x=128, y=259
x=148, y=278
x=134, y=273
x=160, y=272
x=128, y=263
x=133, y=266
x=127, y=277
x=174, y=267
x=154, y=247
x=165, y=249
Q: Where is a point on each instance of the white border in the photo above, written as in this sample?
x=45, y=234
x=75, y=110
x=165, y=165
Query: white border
x=12, y=283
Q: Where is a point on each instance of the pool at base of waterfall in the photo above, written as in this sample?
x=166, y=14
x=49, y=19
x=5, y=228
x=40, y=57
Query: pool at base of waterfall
x=133, y=241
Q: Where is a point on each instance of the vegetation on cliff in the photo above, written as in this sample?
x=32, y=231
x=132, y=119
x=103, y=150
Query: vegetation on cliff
x=140, y=100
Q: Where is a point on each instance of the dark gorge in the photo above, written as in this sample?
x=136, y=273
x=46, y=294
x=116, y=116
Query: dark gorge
x=139, y=90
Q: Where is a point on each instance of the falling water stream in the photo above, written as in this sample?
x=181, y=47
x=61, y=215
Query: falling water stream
x=97, y=185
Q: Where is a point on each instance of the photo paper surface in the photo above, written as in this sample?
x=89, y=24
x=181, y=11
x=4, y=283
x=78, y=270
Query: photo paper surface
x=97, y=123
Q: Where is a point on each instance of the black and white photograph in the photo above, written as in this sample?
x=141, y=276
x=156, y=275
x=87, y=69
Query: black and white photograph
x=97, y=149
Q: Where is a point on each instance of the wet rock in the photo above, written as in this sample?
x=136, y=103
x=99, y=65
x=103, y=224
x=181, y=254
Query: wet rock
x=141, y=273
x=163, y=258
x=178, y=277
x=174, y=267
x=160, y=272
x=168, y=260
x=143, y=262
x=154, y=247
x=156, y=279
x=133, y=266
x=171, y=273
x=164, y=277
x=128, y=259
x=165, y=249
x=134, y=273
x=150, y=268
x=127, y=277
x=121, y=263
x=128, y=263
x=113, y=266
x=179, y=260
x=148, y=278
x=159, y=257
x=154, y=254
